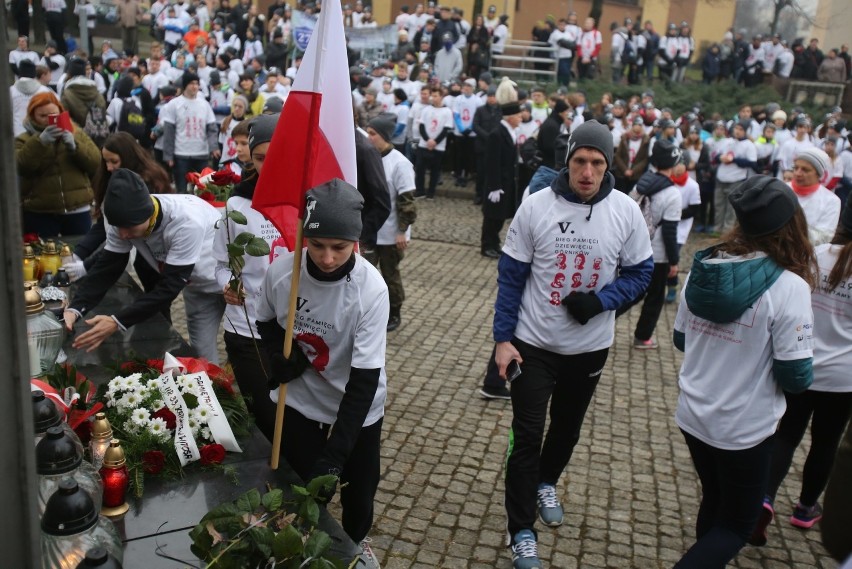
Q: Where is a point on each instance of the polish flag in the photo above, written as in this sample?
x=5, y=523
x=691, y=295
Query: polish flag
x=314, y=140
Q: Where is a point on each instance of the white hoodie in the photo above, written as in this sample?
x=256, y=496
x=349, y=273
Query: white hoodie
x=20, y=93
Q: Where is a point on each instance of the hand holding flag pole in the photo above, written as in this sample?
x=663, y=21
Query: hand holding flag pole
x=313, y=143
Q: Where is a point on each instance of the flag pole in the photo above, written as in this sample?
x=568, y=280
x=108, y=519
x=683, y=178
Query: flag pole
x=297, y=261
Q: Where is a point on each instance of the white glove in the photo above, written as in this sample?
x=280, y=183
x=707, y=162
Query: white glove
x=75, y=269
x=495, y=196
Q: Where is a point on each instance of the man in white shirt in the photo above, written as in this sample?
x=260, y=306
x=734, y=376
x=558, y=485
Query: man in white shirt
x=189, y=132
x=737, y=157
x=785, y=60
x=500, y=35
x=54, y=17
x=21, y=53
x=464, y=108
x=564, y=39
x=436, y=122
x=55, y=62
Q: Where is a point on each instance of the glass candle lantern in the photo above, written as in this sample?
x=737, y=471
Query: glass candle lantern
x=66, y=255
x=71, y=526
x=99, y=558
x=29, y=264
x=116, y=481
x=50, y=257
x=58, y=457
x=46, y=415
x=44, y=335
x=101, y=436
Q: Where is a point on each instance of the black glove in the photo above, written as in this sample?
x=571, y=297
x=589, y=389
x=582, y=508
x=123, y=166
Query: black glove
x=583, y=306
x=323, y=467
x=285, y=370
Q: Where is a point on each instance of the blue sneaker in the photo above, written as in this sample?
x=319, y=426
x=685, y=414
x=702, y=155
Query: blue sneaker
x=525, y=551
x=671, y=295
x=549, y=509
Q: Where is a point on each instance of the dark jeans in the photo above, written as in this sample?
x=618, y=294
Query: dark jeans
x=389, y=257
x=250, y=371
x=830, y=412
x=490, y=239
x=563, y=73
x=427, y=160
x=706, y=210
x=55, y=22
x=568, y=384
x=481, y=168
x=465, y=156
x=655, y=296
x=55, y=224
x=183, y=166
x=302, y=443
x=732, y=486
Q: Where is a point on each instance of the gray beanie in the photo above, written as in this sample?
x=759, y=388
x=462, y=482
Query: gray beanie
x=665, y=155
x=816, y=158
x=384, y=125
x=333, y=211
x=591, y=134
x=763, y=205
x=261, y=129
x=127, y=202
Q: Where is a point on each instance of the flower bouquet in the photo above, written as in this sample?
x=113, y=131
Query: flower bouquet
x=212, y=186
x=73, y=394
x=172, y=414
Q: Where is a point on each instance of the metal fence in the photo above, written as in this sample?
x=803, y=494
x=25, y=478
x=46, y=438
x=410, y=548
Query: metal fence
x=527, y=62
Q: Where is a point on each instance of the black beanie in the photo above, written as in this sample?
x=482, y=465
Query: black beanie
x=510, y=108
x=591, y=134
x=26, y=68
x=261, y=129
x=846, y=217
x=763, y=205
x=384, y=125
x=665, y=155
x=188, y=77
x=76, y=67
x=333, y=211
x=127, y=202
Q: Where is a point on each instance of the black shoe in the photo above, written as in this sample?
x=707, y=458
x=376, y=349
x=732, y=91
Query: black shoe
x=393, y=322
x=495, y=392
x=491, y=254
x=477, y=200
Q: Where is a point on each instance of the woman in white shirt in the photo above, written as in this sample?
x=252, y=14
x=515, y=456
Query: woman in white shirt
x=744, y=345
x=828, y=402
x=822, y=207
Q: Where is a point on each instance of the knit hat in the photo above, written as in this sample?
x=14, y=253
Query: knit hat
x=333, y=211
x=76, y=67
x=665, y=155
x=26, y=68
x=243, y=100
x=215, y=78
x=487, y=77
x=188, y=78
x=42, y=99
x=560, y=107
x=591, y=134
x=763, y=205
x=127, y=201
x=816, y=158
x=384, y=125
x=261, y=130
x=638, y=120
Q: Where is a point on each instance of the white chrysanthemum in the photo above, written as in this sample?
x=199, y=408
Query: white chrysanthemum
x=206, y=434
x=131, y=428
x=158, y=428
x=202, y=414
x=194, y=425
x=142, y=393
x=132, y=381
x=158, y=404
x=153, y=384
x=115, y=384
x=140, y=417
x=129, y=400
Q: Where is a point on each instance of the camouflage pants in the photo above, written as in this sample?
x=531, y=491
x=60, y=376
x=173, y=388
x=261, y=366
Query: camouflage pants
x=389, y=258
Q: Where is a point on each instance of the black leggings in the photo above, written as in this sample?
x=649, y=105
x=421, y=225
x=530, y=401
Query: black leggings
x=830, y=413
x=568, y=383
x=302, y=443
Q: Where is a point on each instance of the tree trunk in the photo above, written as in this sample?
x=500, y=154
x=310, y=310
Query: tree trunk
x=776, y=15
x=596, y=12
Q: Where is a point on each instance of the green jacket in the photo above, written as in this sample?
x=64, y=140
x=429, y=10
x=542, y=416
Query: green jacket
x=78, y=94
x=54, y=179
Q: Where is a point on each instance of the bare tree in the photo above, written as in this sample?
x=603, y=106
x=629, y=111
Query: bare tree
x=596, y=11
x=792, y=6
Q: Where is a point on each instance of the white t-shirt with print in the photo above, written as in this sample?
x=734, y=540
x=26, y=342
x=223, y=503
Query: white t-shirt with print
x=570, y=253
x=666, y=205
x=744, y=148
x=190, y=117
x=822, y=210
x=184, y=237
x=832, y=327
x=435, y=119
x=690, y=194
x=399, y=174
x=729, y=398
x=466, y=107
x=339, y=325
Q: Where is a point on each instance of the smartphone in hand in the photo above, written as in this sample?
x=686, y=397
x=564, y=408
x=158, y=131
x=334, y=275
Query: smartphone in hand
x=513, y=370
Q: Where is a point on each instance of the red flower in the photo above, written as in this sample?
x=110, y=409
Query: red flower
x=195, y=177
x=153, y=461
x=167, y=416
x=84, y=431
x=30, y=237
x=207, y=196
x=225, y=177
x=212, y=454
x=155, y=364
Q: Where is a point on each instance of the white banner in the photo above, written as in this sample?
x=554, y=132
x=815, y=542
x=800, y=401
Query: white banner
x=185, y=446
x=218, y=422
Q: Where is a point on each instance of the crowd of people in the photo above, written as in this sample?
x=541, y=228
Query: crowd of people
x=602, y=196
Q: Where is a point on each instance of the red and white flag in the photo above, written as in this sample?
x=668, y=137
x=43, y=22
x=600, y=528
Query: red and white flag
x=314, y=140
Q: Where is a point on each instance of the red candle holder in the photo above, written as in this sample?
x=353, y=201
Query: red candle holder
x=116, y=481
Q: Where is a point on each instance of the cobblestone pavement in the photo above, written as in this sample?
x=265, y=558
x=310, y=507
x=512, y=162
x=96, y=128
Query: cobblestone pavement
x=630, y=492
